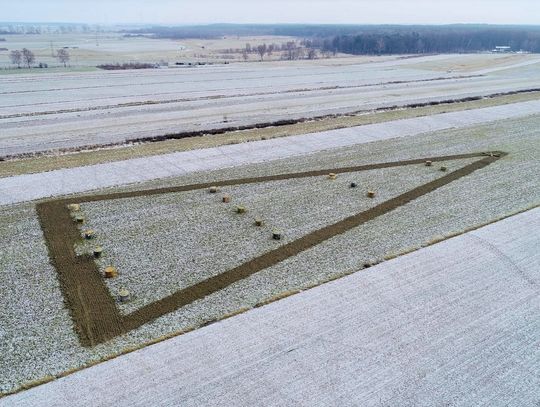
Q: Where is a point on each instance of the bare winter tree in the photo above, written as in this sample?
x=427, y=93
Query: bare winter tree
x=261, y=49
x=248, y=48
x=63, y=56
x=245, y=55
x=28, y=57
x=16, y=58
x=312, y=53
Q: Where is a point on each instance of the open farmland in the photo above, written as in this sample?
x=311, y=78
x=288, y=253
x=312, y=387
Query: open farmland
x=64, y=181
x=463, y=328
x=87, y=50
x=420, y=149
x=143, y=235
x=41, y=112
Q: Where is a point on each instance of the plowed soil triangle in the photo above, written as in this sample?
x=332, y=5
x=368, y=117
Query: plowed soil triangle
x=95, y=313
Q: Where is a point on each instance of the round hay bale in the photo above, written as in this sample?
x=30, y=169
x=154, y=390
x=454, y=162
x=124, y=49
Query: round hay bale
x=371, y=194
x=98, y=251
x=241, y=209
x=258, y=222
x=276, y=234
x=110, y=272
x=89, y=234
x=443, y=169
x=74, y=207
x=123, y=295
x=332, y=176
x=428, y=163
x=226, y=199
x=213, y=189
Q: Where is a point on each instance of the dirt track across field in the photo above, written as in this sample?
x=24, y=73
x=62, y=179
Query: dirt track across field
x=93, y=308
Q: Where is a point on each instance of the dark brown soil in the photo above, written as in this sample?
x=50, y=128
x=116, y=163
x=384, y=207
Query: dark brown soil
x=92, y=307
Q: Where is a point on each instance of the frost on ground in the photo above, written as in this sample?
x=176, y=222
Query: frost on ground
x=461, y=330
x=76, y=110
x=37, y=339
x=164, y=243
x=67, y=181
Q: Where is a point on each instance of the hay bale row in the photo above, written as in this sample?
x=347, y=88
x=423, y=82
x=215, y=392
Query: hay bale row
x=276, y=233
x=241, y=209
x=429, y=163
x=370, y=194
x=89, y=234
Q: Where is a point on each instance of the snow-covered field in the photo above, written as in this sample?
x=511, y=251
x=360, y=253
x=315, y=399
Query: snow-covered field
x=37, y=337
x=194, y=236
x=452, y=324
x=90, y=49
x=165, y=242
x=49, y=111
x=66, y=181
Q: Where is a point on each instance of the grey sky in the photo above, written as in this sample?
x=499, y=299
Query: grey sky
x=273, y=11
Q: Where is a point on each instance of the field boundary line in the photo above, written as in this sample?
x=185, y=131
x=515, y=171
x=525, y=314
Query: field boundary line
x=95, y=314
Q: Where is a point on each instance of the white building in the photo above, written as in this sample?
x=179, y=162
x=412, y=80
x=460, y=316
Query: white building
x=502, y=48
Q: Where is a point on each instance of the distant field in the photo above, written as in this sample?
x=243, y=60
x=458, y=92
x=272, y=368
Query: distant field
x=54, y=111
x=471, y=62
x=91, y=49
x=53, y=161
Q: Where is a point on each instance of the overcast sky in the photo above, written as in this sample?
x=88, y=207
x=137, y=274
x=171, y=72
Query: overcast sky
x=273, y=11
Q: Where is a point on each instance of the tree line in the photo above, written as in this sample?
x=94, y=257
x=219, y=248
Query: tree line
x=28, y=58
x=429, y=42
x=376, y=39
x=36, y=29
x=289, y=50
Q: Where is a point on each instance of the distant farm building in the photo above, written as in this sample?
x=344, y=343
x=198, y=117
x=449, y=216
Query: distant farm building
x=502, y=48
